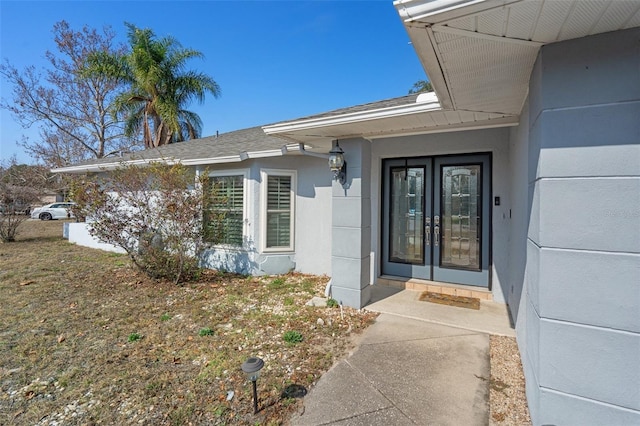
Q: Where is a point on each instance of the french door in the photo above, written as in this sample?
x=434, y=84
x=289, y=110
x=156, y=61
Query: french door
x=436, y=216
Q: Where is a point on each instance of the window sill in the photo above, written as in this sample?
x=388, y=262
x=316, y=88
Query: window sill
x=283, y=250
x=226, y=247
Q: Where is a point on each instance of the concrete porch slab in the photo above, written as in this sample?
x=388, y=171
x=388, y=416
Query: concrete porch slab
x=492, y=318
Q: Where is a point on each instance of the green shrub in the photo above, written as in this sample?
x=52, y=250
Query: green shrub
x=134, y=337
x=292, y=337
x=205, y=332
x=332, y=303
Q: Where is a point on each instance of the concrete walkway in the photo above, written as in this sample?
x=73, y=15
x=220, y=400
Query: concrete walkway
x=410, y=368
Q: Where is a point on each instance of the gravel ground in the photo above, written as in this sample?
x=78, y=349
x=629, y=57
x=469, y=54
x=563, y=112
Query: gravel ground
x=507, y=398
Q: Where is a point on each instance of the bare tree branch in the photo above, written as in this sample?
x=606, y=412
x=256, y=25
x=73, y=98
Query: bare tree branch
x=72, y=111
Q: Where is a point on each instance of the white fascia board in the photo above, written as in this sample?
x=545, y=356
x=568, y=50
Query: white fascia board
x=193, y=162
x=437, y=11
x=414, y=10
x=294, y=148
x=510, y=121
x=354, y=117
x=109, y=166
x=245, y=155
x=265, y=154
x=213, y=160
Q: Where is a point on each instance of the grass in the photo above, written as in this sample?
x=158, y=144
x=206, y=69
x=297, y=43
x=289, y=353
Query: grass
x=134, y=337
x=206, y=331
x=292, y=337
x=67, y=316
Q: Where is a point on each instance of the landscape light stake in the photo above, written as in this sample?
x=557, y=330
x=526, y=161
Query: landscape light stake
x=252, y=368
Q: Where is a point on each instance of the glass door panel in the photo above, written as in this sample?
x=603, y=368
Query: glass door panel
x=406, y=208
x=406, y=204
x=462, y=208
x=460, y=216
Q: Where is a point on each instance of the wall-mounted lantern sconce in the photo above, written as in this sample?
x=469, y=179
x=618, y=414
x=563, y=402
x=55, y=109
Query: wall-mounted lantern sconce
x=337, y=164
x=251, y=368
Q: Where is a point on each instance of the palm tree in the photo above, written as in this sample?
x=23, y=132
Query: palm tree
x=159, y=87
x=421, y=86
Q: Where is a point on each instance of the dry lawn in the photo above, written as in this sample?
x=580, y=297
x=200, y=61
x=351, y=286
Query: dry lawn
x=85, y=339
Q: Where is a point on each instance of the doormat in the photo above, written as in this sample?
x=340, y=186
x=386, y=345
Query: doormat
x=450, y=300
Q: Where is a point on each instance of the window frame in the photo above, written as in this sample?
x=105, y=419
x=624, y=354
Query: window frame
x=264, y=175
x=245, y=205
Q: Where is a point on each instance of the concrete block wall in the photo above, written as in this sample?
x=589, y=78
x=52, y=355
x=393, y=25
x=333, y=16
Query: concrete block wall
x=580, y=332
x=351, y=227
x=78, y=233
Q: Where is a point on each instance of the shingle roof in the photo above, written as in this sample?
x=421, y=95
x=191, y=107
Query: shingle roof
x=224, y=145
x=229, y=145
x=371, y=106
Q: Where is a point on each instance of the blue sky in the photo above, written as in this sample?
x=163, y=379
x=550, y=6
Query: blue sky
x=274, y=60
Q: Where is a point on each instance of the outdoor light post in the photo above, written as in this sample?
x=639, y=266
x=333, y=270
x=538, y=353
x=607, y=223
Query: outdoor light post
x=252, y=368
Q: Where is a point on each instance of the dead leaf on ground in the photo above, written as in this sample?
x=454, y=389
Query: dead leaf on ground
x=28, y=282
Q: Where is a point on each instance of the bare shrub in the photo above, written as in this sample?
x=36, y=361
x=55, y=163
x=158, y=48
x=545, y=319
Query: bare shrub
x=20, y=186
x=153, y=212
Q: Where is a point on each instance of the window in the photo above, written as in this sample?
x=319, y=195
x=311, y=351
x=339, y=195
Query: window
x=278, y=196
x=224, y=216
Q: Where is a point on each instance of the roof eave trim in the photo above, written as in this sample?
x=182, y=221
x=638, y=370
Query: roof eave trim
x=236, y=158
x=355, y=117
x=109, y=166
x=414, y=10
x=509, y=121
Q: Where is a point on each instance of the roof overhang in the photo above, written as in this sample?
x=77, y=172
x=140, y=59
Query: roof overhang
x=292, y=148
x=424, y=116
x=479, y=54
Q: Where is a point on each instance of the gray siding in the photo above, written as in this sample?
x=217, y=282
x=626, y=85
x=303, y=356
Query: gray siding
x=579, y=323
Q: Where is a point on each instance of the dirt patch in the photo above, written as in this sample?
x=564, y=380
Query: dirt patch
x=86, y=339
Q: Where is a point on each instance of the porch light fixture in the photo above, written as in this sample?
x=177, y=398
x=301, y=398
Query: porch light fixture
x=251, y=368
x=337, y=164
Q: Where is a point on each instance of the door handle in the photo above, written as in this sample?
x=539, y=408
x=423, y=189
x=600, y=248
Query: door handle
x=436, y=231
x=427, y=230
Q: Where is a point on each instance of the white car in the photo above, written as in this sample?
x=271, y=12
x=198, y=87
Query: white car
x=53, y=211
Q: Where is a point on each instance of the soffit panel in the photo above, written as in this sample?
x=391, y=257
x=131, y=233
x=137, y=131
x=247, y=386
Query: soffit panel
x=521, y=21
x=619, y=12
x=486, y=75
x=551, y=21
x=483, y=52
x=433, y=121
x=548, y=29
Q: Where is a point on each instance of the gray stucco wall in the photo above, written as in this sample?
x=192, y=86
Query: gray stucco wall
x=312, y=231
x=579, y=320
